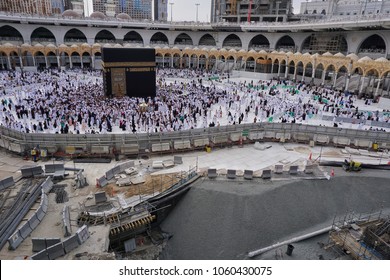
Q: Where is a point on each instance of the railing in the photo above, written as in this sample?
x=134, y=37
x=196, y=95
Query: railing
x=336, y=21
x=21, y=143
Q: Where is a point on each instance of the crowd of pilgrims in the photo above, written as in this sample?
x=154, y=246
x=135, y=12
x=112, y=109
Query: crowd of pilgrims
x=53, y=101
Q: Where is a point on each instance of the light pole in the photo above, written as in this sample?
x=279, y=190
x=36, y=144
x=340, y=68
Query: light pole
x=171, y=9
x=197, y=5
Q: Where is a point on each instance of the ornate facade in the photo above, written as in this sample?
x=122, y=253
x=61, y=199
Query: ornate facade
x=357, y=63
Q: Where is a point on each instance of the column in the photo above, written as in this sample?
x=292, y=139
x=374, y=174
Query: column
x=347, y=81
x=21, y=61
x=358, y=86
x=286, y=71
x=377, y=87
x=181, y=62
x=279, y=66
x=323, y=76
x=272, y=68
x=335, y=79
x=46, y=62
x=198, y=62
x=92, y=61
x=295, y=72
x=388, y=87
x=81, y=60
x=368, y=84
x=9, y=62
x=34, y=62
x=70, y=62
x=303, y=74
x=245, y=66
x=313, y=74
x=254, y=66
x=361, y=86
x=172, y=61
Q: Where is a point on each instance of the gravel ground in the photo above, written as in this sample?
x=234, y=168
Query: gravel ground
x=227, y=219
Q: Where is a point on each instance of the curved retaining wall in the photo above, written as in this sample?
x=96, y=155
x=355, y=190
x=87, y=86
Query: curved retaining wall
x=25, y=230
x=190, y=139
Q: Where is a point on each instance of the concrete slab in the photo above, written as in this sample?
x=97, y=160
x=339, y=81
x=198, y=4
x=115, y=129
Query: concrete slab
x=82, y=234
x=55, y=251
x=42, y=255
x=70, y=243
x=38, y=244
x=137, y=180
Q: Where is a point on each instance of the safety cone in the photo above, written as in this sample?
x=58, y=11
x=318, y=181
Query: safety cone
x=332, y=172
x=310, y=156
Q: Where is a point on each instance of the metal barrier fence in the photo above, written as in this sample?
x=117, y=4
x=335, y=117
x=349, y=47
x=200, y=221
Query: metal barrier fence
x=145, y=142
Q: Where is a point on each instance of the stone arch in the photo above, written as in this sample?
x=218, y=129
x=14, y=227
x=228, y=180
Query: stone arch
x=202, y=61
x=40, y=61
x=207, y=40
x=27, y=58
x=250, y=63
x=212, y=60
x=86, y=59
x=330, y=72
x=372, y=83
x=262, y=65
x=167, y=59
x=74, y=36
x=52, y=59
x=240, y=62
x=285, y=43
x=275, y=66
x=194, y=60
x=232, y=41
x=185, y=60
x=317, y=43
x=159, y=59
x=308, y=70
x=104, y=36
x=291, y=67
x=259, y=42
x=76, y=59
x=385, y=82
x=133, y=37
x=3, y=61
x=299, y=71
x=183, y=39
x=42, y=36
x=319, y=71
x=374, y=44
x=176, y=60
x=14, y=59
x=9, y=34
x=64, y=58
x=283, y=65
x=159, y=38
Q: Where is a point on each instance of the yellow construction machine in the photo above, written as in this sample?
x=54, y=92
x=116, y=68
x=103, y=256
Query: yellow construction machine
x=352, y=165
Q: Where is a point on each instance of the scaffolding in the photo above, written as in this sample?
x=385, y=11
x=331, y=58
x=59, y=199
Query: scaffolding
x=233, y=7
x=361, y=237
x=322, y=42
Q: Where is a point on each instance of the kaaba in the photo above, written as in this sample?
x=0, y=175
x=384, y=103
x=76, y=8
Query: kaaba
x=129, y=71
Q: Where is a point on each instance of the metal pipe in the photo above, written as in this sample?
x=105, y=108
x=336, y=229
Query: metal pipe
x=292, y=240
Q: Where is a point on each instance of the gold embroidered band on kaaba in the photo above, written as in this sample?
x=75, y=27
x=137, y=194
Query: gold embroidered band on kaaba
x=128, y=64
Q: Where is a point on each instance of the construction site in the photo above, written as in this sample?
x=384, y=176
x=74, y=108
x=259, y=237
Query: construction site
x=232, y=202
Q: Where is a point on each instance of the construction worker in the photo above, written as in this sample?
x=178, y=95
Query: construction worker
x=34, y=153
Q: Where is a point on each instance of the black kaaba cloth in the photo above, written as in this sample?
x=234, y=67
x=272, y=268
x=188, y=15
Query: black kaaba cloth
x=129, y=71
